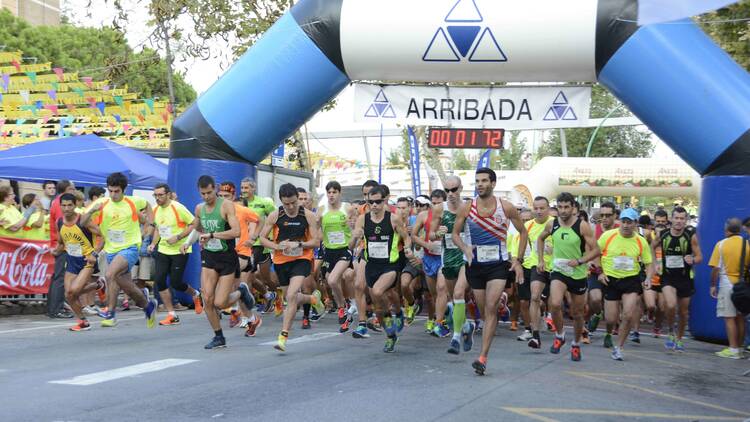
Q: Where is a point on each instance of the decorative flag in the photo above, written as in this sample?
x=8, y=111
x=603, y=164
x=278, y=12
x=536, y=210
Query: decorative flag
x=25, y=95
x=133, y=122
x=150, y=103
x=32, y=76
x=39, y=104
x=59, y=72
x=118, y=118
x=17, y=65
x=45, y=119
x=100, y=105
x=416, y=184
x=55, y=85
x=655, y=11
x=52, y=94
x=151, y=135
x=87, y=80
x=141, y=117
x=91, y=101
x=19, y=122
x=2, y=123
x=118, y=100
x=105, y=88
x=71, y=108
x=165, y=116
x=53, y=108
x=169, y=108
x=6, y=81
x=78, y=91
x=119, y=132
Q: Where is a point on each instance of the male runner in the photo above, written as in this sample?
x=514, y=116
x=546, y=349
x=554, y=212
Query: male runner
x=336, y=234
x=382, y=232
x=311, y=282
x=77, y=241
x=606, y=222
x=488, y=218
x=411, y=273
x=172, y=222
x=217, y=228
x=622, y=252
x=120, y=224
x=535, y=281
x=360, y=282
x=295, y=235
x=573, y=245
x=680, y=252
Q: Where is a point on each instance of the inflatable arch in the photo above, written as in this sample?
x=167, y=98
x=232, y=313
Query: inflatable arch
x=687, y=90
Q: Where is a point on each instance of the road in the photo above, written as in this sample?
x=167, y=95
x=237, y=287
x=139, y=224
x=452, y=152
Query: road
x=132, y=373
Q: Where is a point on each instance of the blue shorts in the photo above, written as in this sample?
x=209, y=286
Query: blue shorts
x=130, y=254
x=431, y=265
x=75, y=264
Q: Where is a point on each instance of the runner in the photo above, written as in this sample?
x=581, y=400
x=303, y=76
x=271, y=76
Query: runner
x=77, y=241
x=360, y=282
x=573, y=245
x=535, y=282
x=653, y=296
x=488, y=217
x=310, y=285
x=606, y=222
x=119, y=220
x=336, y=234
x=680, y=252
x=217, y=228
x=623, y=249
x=382, y=231
x=410, y=276
x=172, y=222
x=295, y=235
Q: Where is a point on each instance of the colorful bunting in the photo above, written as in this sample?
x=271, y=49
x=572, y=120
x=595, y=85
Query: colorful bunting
x=52, y=107
x=32, y=76
x=151, y=134
x=39, y=104
x=55, y=85
x=6, y=81
x=52, y=94
x=71, y=108
x=59, y=72
x=118, y=118
x=87, y=80
x=25, y=95
x=101, y=106
x=78, y=91
x=150, y=103
x=92, y=102
x=17, y=65
x=105, y=88
x=118, y=100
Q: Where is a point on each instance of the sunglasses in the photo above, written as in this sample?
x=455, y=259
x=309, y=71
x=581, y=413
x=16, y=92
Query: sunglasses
x=375, y=201
x=452, y=190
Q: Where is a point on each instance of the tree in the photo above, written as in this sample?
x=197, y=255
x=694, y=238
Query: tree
x=511, y=157
x=460, y=162
x=100, y=53
x=394, y=160
x=729, y=28
x=622, y=141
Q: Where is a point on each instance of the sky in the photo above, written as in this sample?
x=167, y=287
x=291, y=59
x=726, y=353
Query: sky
x=201, y=74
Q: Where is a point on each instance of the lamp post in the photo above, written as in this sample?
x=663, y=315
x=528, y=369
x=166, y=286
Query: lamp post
x=593, y=135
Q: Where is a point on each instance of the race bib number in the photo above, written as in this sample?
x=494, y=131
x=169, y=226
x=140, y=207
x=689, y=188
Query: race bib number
x=449, y=242
x=561, y=265
x=165, y=232
x=74, y=249
x=336, y=238
x=488, y=253
x=675, y=261
x=377, y=250
x=293, y=252
x=624, y=263
x=116, y=236
x=214, y=245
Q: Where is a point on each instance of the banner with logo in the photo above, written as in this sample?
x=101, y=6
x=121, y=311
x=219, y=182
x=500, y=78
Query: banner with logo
x=416, y=183
x=26, y=266
x=510, y=108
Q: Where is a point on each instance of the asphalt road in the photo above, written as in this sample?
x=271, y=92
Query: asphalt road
x=132, y=373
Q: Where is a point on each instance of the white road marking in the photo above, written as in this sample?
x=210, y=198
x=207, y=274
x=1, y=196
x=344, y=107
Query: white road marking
x=304, y=339
x=124, y=372
x=69, y=324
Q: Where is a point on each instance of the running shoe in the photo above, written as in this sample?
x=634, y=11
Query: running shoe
x=585, y=339
x=88, y=311
x=342, y=315
x=243, y=322
x=82, y=325
x=360, y=332
x=429, y=326
x=281, y=343
x=747, y=349
x=246, y=296
x=440, y=330
x=534, y=343
x=101, y=289
x=479, y=366
x=125, y=305
x=467, y=336
x=216, y=343
x=170, y=320
x=345, y=326
x=479, y=325
x=656, y=332
x=557, y=344
x=503, y=312
x=455, y=347
x=726, y=353
x=679, y=346
x=109, y=322
x=320, y=308
x=260, y=305
x=549, y=322
x=390, y=328
x=315, y=316
x=526, y=336
x=150, y=312
x=278, y=306
x=398, y=321
x=253, y=326
x=575, y=353
x=234, y=319
x=390, y=344
x=270, y=301
x=594, y=322
x=617, y=353
x=198, y=302
x=410, y=313
x=607, y=340
x=146, y=293
x=102, y=312
x=374, y=324
x=514, y=326
x=306, y=324
x=635, y=337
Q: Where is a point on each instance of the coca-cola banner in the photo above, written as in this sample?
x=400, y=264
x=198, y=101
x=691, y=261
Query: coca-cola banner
x=26, y=266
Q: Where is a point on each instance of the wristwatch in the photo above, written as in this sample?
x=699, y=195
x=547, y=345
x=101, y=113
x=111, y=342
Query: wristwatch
x=211, y=235
x=95, y=254
x=299, y=244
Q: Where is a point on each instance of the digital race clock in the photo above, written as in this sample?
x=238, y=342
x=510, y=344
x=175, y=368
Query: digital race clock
x=465, y=138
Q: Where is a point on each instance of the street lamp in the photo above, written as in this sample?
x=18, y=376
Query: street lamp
x=593, y=135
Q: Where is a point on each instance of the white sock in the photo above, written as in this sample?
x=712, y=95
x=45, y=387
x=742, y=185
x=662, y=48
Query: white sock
x=252, y=318
x=734, y=350
x=352, y=309
x=560, y=336
x=172, y=313
x=196, y=293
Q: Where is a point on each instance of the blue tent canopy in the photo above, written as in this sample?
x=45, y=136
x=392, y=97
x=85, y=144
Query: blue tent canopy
x=85, y=160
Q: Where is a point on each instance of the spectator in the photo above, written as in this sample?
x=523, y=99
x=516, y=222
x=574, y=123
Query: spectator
x=95, y=193
x=34, y=228
x=56, y=292
x=725, y=263
x=50, y=188
x=11, y=219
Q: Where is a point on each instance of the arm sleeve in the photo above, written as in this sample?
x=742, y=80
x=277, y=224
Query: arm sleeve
x=186, y=216
x=714, y=261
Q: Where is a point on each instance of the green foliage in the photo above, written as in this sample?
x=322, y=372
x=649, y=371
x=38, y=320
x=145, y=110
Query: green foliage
x=100, y=53
x=460, y=162
x=510, y=157
x=733, y=37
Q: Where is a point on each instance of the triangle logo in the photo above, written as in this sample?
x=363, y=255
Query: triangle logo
x=381, y=98
x=463, y=37
x=561, y=99
x=440, y=49
x=372, y=112
x=487, y=49
x=388, y=113
x=569, y=114
x=464, y=11
x=551, y=115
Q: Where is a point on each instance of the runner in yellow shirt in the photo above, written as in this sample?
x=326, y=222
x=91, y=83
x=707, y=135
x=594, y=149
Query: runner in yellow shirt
x=119, y=221
x=535, y=283
x=623, y=250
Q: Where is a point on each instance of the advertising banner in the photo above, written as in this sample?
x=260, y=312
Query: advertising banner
x=26, y=266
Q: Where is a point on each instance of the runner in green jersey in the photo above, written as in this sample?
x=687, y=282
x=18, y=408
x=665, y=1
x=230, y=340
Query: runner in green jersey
x=573, y=245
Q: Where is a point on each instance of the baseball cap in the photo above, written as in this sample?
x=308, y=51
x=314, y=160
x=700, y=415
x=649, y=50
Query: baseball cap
x=423, y=201
x=630, y=214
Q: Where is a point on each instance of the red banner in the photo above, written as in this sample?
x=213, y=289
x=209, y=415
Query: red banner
x=26, y=266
